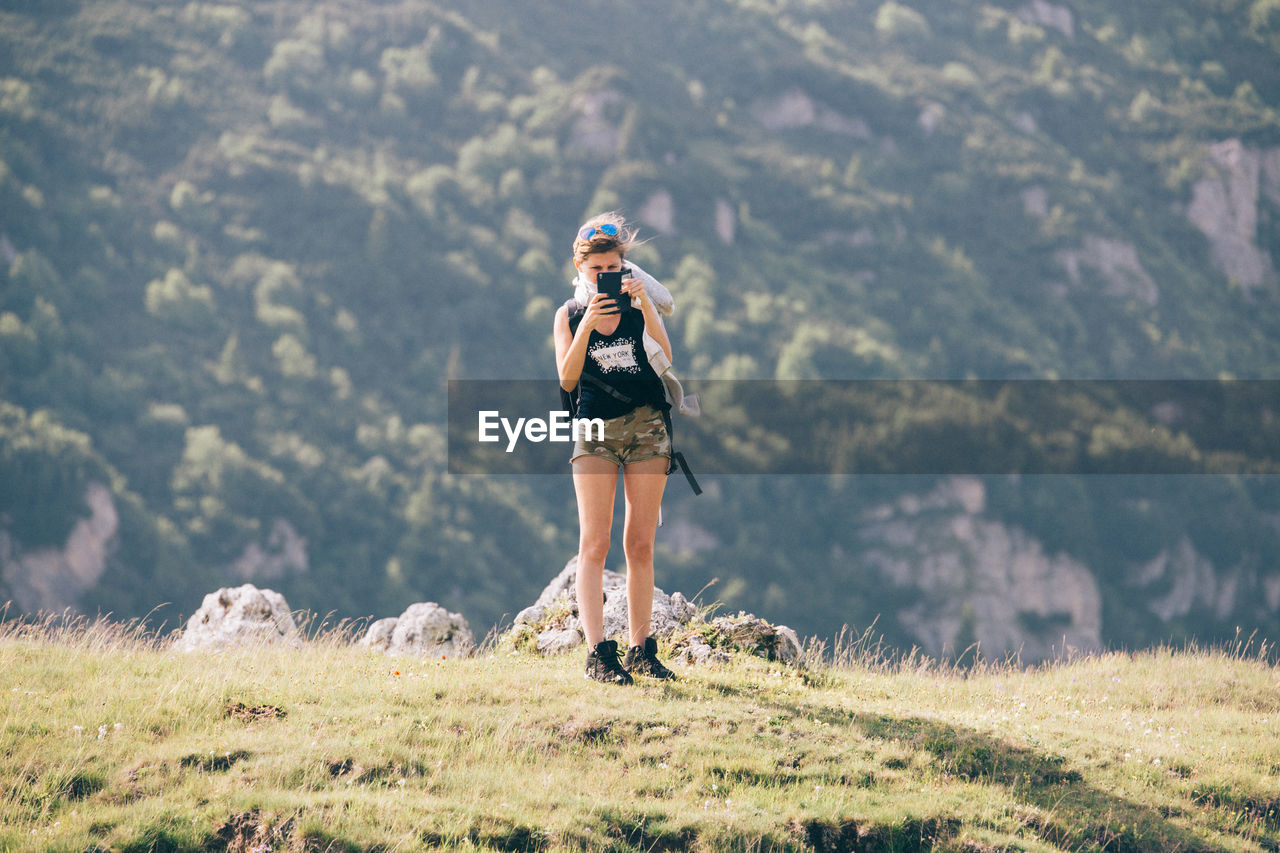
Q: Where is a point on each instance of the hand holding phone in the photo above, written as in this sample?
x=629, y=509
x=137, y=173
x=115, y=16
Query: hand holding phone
x=610, y=284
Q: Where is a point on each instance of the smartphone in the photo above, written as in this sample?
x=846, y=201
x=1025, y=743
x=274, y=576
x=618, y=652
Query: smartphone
x=610, y=284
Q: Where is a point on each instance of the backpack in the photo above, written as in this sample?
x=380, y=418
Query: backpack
x=676, y=398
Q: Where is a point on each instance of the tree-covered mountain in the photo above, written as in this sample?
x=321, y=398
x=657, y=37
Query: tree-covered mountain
x=244, y=246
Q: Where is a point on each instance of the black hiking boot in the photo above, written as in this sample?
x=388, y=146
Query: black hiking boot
x=643, y=660
x=603, y=664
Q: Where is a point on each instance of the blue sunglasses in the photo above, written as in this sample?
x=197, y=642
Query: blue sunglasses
x=608, y=229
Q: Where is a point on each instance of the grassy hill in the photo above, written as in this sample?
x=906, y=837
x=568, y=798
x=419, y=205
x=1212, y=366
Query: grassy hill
x=244, y=247
x=111, y=741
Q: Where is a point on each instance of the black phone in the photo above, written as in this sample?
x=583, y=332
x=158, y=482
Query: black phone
x=610, y=284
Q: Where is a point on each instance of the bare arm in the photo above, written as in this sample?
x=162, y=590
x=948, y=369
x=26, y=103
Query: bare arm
x=571, y=348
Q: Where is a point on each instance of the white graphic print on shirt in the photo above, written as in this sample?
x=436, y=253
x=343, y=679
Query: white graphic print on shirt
x=615, y=357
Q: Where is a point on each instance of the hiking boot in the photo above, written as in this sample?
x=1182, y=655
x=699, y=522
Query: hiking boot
x=643, y=660
x=603, y=664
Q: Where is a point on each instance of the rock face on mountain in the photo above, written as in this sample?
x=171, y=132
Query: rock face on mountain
x=238, y=616
x=551, y=625
x=424, y=630
x=51, y=579
x=978, y=580
x=1048, y=15
x=1116, y=263
x=1180, y=581
x=1225, y=206
x=284, y=553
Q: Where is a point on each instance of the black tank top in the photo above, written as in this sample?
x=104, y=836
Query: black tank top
x=619, y=361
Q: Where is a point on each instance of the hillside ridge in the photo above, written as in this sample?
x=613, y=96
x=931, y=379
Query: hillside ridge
x=116, y=742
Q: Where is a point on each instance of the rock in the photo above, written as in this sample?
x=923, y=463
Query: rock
x=1224, y=206
x=787, y=644
x=791, y=109
x=593, y=133
x=1048, y=15
x=976, y=579
x=556, y=609
x=1035, y=201
x=754, y=635
x=554, y=641
x=550, y=625
x=694, y=649
x=51, y=579
x=726, y=221
x=1117, y=263
x=742, y=633
x=531, y=615
x=240, y=616
x=378, y=637
x=424, y=630
x=659, y=212
x=931, y=117
x=794, y=108
x=1179, y=580
x=284, y=553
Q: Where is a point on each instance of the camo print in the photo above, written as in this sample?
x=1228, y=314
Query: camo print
x=638, y=435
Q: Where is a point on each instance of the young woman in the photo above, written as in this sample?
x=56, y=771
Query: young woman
x=603, y=358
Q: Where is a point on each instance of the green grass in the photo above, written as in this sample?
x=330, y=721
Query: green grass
x=112, y=741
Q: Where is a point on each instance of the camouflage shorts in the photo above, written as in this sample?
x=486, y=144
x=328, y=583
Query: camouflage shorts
x=634, y=437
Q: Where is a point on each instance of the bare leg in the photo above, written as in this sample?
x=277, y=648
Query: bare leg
x=642, y=484
x=594, y=481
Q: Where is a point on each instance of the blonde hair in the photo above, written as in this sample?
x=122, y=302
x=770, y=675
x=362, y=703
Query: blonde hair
x=599, y=241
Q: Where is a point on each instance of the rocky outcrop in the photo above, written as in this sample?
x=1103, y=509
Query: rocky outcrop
x=240, y=616
x=1051, y=16
x=978, y=580
x=794, y=109
x=1035, y=201
x=52, y=579
x=726, y=221
x=594, y=134
x=1117, y=263
x=1180, y=581
x=423, y=630
x=551, y=625
x=554, y=615
x=659, y=212
x=743, y=632
x=284, y=553
x=1225, y=207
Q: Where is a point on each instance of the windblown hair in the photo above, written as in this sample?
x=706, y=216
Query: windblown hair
x=599, y=242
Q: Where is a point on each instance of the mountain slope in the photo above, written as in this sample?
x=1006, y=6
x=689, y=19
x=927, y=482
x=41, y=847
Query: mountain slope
x=248, y=245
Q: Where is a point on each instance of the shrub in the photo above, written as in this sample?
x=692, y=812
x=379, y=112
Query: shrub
x=896, y=21
x=1264, y=16
x=175, y=298
x=294, y=63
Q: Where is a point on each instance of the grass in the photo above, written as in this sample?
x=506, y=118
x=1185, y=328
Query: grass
x=111, y=741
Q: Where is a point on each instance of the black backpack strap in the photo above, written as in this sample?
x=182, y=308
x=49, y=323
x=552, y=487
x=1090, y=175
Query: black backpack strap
x=575, y=309
x=606, y=388
x=569, y=399
x=677, y=458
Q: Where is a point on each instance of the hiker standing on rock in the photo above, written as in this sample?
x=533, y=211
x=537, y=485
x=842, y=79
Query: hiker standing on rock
x=602, y=365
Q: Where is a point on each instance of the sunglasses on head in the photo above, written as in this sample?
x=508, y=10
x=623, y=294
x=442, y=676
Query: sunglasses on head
x=608, y=229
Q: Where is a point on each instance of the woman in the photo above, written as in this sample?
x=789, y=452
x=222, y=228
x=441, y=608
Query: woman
x=603, y=357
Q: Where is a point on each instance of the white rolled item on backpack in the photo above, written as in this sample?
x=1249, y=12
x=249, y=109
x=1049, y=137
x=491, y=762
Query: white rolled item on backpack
x=685, y=404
